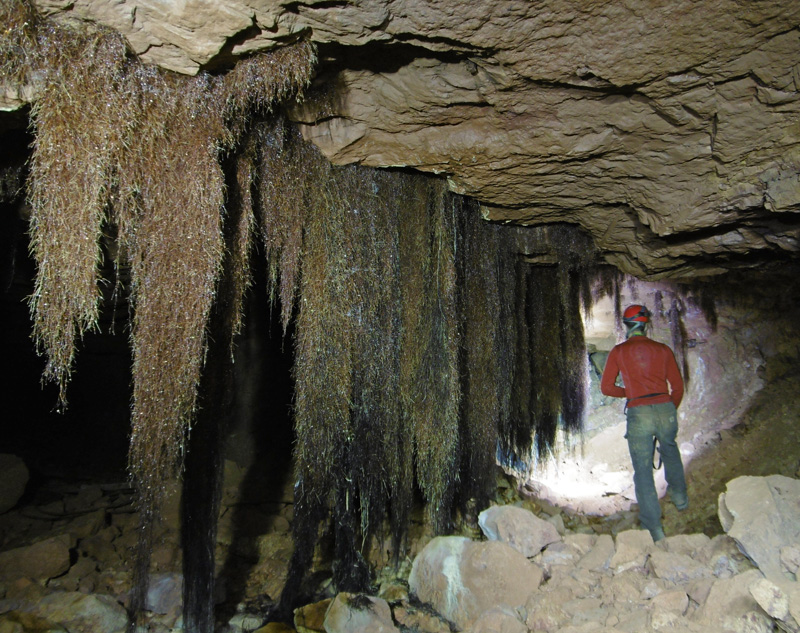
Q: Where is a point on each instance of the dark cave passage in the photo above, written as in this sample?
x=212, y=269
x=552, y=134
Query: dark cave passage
x=89, y=439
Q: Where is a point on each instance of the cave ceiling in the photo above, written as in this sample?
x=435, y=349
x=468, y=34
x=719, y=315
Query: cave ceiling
x=668, y=129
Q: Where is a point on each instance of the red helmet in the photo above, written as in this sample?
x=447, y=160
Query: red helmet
x=636, y=314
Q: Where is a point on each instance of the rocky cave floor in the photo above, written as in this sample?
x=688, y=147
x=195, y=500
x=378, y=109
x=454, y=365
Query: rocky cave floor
x=254, y=541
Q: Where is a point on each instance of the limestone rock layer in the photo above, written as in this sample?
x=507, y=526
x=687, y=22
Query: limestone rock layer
x=668, y=129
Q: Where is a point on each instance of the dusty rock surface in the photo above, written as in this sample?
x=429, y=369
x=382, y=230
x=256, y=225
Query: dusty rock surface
x=524, y=531
x=757, y=511
x=462, y=578
x=350, y=613
x=674, y=144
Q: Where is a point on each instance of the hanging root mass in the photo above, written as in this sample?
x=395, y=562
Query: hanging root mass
x=428, y=342
x=125, y=148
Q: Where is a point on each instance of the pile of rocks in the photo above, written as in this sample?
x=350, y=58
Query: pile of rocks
x=529, y=578
x=67, y=550
x=65, y=562
x=522, y=572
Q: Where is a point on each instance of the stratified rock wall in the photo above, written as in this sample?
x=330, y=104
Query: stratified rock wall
x=669, y=130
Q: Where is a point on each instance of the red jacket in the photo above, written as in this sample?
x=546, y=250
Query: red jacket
x=646, y=367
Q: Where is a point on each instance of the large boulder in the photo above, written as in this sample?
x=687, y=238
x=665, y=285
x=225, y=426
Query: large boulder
x=677, y=568
x=82, y=613
x=40, y=561
x=311, y=617
x=731, y=606
x=22, y=622
x=165, y=593
x=763, y=515
x=461, y=579
x=357, y=613
x=498, y=621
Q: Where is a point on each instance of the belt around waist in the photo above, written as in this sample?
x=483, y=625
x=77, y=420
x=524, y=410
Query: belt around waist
x=647, y=395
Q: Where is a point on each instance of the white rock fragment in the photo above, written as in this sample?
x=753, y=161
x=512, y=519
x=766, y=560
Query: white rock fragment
x=519, y=528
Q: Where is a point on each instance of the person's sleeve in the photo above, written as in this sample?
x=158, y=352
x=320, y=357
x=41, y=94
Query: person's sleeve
x=608, y=380
x=674, y=378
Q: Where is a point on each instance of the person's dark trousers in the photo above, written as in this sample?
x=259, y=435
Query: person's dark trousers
x=644, y=423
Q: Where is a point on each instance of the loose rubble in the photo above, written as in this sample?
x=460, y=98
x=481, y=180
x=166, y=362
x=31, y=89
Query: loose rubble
x=64, y=567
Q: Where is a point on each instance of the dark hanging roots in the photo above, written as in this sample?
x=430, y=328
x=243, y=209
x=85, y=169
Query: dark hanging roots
x=554, y=285
x=376, y=355
x=483, y=350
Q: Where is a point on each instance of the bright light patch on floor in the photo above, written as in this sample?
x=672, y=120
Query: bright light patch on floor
x=580, y=483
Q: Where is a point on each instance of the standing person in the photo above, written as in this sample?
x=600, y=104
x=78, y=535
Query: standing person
x=654, y=389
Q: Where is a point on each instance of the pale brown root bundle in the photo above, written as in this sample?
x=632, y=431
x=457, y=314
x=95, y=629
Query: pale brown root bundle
x=324, y=361
x=19, y=51
x=81, y=125
x=240, y=243
x=285, y=195
x=256, y=84
x=170, y=225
